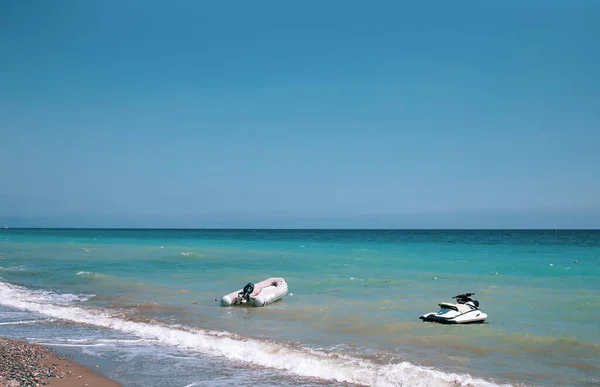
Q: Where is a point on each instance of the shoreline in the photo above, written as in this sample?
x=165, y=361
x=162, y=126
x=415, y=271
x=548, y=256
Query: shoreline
x=27, y=364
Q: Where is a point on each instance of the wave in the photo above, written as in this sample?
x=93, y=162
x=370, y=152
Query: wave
x=47, y=344
x=49, y=297
x=300, y=361
x=26, y=322
x=92, y=274
x=59, y=340
x=65, y=342
x=13, y=268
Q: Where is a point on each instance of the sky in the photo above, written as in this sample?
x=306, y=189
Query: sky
x=326, y=114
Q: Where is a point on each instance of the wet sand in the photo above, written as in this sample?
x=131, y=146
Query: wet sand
x=25, y=364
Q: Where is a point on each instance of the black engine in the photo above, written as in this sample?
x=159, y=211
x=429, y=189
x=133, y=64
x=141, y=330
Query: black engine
x=247, y=291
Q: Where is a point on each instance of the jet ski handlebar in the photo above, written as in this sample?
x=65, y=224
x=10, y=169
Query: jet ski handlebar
x=466, y=295
x=464, y=298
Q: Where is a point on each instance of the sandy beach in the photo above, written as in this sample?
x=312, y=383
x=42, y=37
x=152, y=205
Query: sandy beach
x=25, y=364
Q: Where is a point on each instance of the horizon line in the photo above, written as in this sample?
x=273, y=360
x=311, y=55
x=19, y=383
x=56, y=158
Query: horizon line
x=297, y=229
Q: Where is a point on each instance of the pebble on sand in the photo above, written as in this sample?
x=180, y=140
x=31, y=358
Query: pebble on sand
x=23, y=365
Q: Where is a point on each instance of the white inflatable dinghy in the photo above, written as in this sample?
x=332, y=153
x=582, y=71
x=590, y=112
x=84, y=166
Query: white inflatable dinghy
x=260, y=294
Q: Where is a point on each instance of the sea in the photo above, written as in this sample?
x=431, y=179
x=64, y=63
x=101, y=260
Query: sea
x=142, y=306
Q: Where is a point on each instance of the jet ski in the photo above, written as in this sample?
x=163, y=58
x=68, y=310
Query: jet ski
x=465, y=311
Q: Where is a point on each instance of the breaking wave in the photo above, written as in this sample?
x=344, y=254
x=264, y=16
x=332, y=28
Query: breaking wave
x=304, y=362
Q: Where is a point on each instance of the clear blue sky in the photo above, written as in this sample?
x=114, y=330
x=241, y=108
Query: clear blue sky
x=300, y=114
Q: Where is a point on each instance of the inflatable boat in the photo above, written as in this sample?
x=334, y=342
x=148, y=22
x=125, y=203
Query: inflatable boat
x=259, y=294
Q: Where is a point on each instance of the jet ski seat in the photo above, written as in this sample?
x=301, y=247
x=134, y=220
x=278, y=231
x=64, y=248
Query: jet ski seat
x=462, y=308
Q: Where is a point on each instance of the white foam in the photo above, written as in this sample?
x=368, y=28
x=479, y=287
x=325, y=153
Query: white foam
x=89, y=341
x=71, y=345
x=25, y=322
x=308, y=363
x=13, y=268
x=129, y=341
x=49, y=297
x=60, y=340
x=84, y=273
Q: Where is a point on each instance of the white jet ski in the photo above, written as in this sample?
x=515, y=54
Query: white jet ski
x=465, y=311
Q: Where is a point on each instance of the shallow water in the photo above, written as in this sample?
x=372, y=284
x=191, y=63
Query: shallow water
x=353, y=315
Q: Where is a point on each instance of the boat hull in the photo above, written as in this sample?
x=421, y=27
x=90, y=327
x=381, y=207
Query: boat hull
x=444, y=317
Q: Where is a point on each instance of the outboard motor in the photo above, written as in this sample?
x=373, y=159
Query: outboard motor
x=246, y=292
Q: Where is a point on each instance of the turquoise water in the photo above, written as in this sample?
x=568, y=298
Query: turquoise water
x=149, y=295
